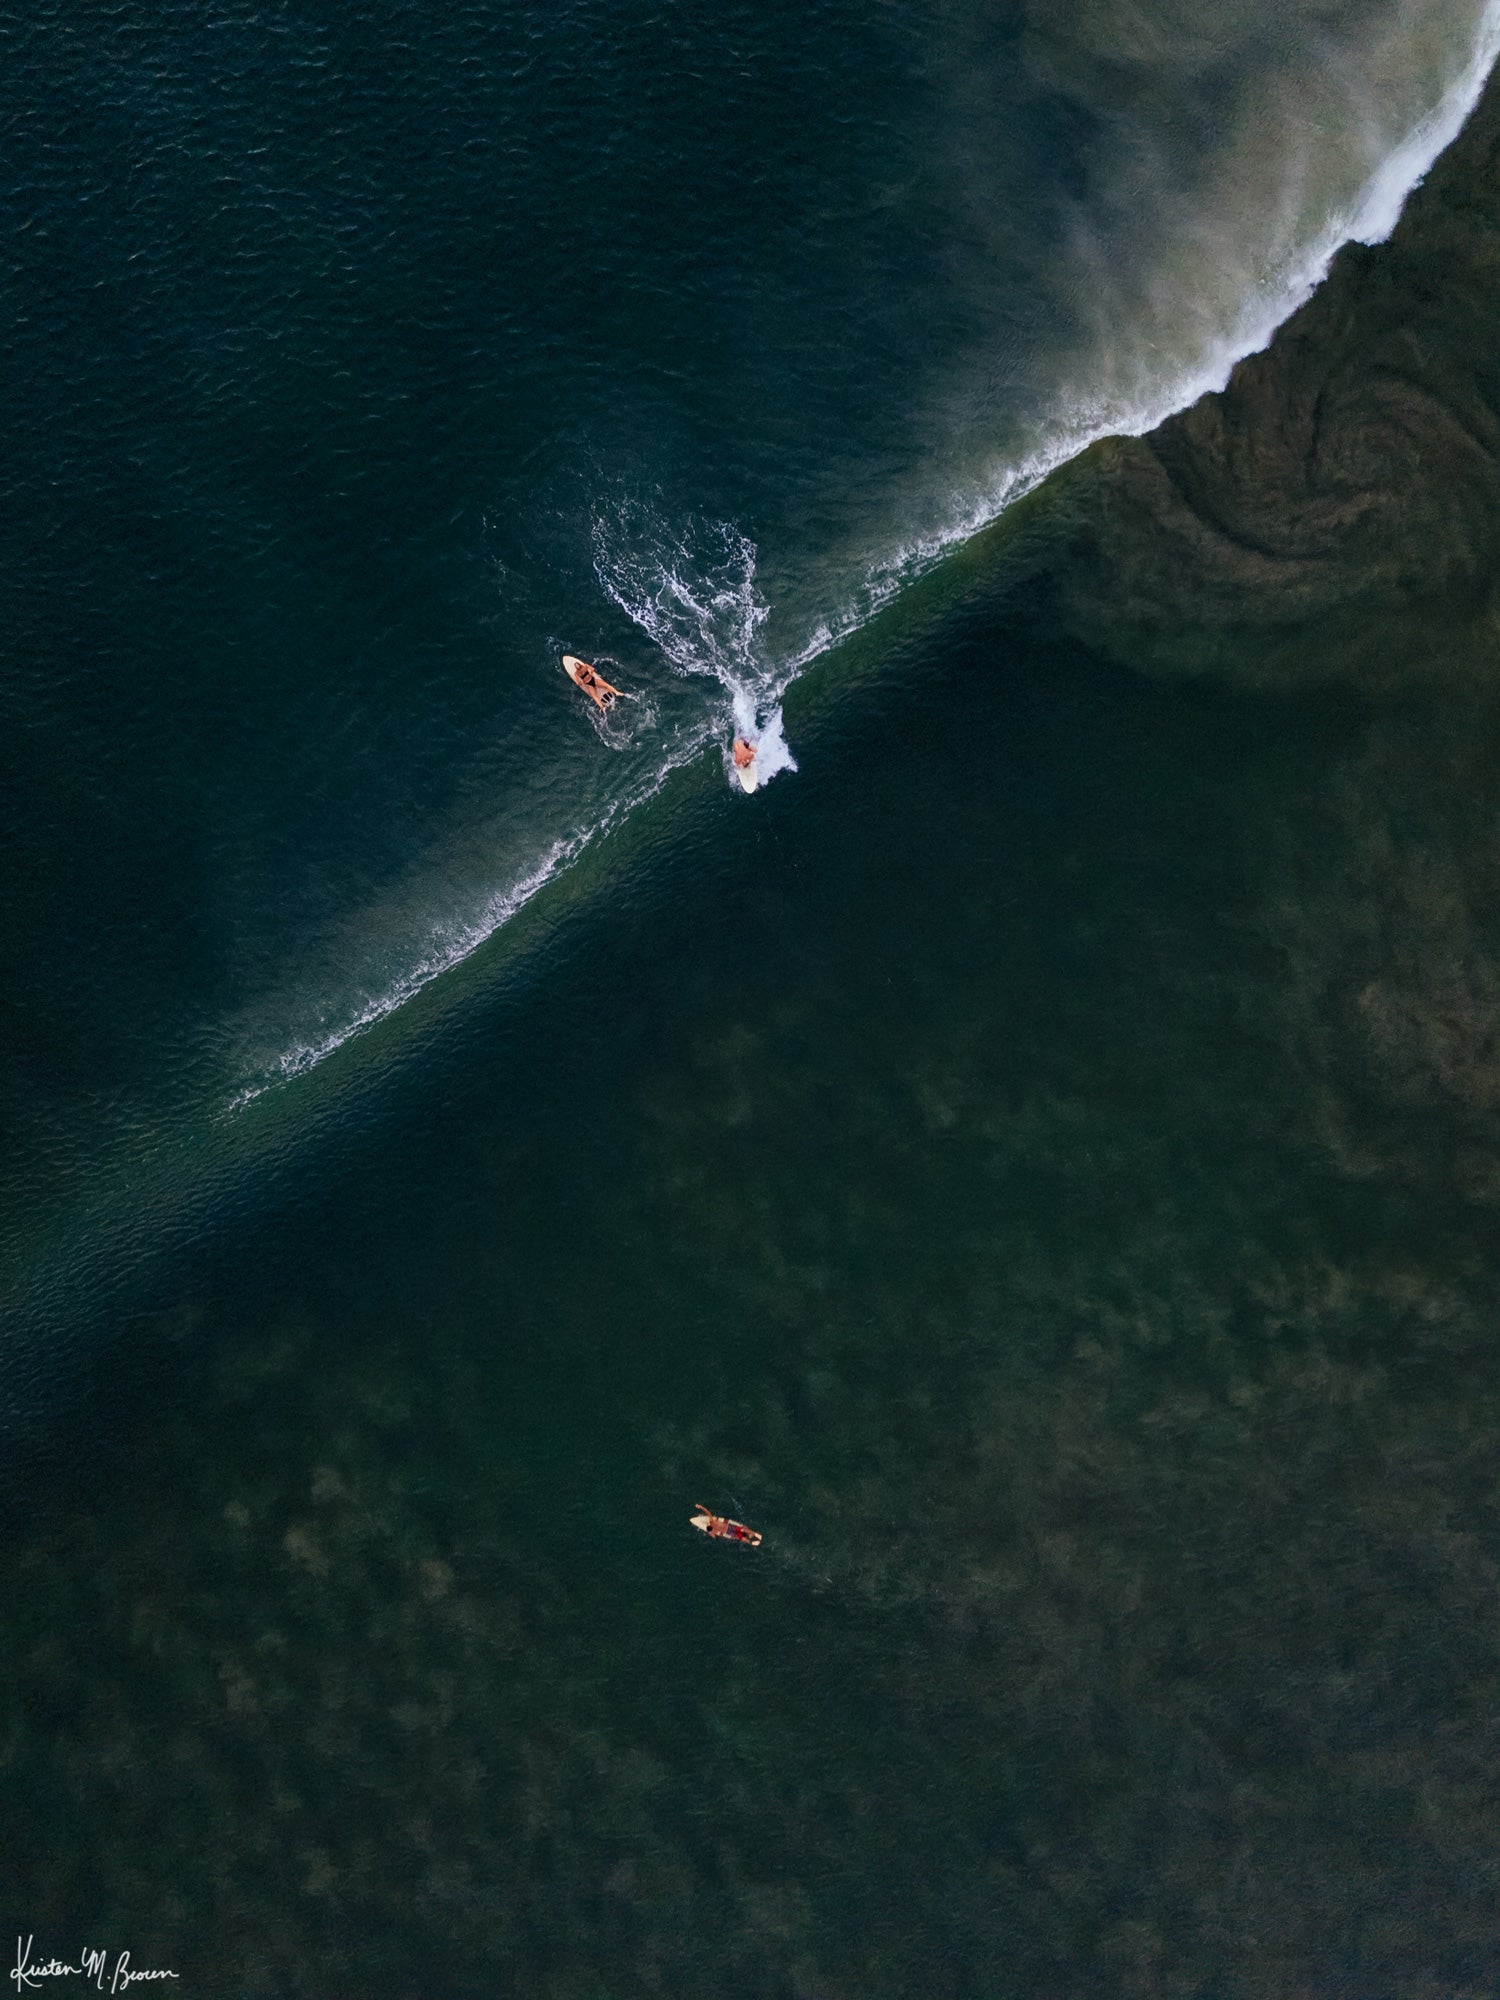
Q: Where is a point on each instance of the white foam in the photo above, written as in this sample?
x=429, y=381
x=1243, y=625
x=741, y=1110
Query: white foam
x=1405, y=168
x=772, y=752
x=451, y=946
x=690, y=587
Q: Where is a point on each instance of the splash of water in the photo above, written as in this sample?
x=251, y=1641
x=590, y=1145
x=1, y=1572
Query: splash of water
x=692, y=590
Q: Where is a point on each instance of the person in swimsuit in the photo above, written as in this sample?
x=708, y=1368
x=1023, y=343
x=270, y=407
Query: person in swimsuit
x=718, y=1529
x=594, y=685
x=744, y=754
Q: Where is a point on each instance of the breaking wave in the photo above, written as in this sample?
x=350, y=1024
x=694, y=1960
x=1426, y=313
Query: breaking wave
x=689, y=585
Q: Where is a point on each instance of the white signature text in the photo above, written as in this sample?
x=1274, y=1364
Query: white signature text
x=31, y=1971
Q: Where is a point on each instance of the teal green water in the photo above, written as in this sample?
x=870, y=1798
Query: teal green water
x=1036, y=1162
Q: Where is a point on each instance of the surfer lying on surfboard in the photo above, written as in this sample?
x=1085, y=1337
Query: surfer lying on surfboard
x=582, y=675
x=744, y=763
x=718, y=1529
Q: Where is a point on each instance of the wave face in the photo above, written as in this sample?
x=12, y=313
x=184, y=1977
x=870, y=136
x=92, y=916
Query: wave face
x=363, y=381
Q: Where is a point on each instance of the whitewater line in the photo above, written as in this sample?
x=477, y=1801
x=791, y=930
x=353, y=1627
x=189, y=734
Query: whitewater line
x=563, y=853
x=1370, y=220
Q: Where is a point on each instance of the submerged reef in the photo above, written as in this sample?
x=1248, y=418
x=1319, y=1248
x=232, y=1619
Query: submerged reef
x=1331, y=521
x=1335, y=512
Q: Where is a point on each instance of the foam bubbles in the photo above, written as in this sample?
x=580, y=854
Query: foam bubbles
x=772, y=752
x=691, y=588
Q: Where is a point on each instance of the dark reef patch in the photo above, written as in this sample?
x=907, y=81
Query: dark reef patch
x=1336, y=511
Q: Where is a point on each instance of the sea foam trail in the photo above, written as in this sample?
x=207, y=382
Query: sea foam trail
x=692, y=590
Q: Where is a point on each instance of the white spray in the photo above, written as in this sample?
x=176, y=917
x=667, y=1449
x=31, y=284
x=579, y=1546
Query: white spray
x=691, y=588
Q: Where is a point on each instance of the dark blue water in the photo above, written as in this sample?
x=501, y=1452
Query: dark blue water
x=449, y=1134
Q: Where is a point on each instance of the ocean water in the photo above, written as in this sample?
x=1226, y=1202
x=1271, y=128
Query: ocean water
x=451, y=1134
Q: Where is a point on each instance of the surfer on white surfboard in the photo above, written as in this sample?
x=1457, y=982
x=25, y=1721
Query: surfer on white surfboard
x=598, y=690
x=719, y=1529
x=744, y=763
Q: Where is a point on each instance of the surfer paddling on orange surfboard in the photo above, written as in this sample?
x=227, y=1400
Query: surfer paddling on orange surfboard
x=598, y=690
x=718, y=1529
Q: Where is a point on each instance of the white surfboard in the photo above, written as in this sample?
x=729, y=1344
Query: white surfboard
x=748, y=775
